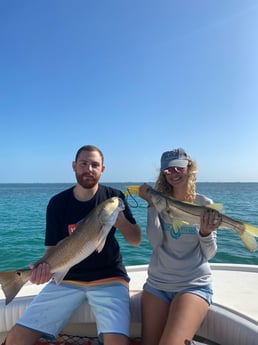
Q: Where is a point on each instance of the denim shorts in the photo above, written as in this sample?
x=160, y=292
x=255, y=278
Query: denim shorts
x=54, y=305
x=205, y=292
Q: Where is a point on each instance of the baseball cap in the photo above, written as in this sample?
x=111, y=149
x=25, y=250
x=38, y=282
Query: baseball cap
x=175, y=158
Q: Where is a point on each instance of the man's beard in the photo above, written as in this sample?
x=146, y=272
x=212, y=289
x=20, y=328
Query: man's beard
x=88, y=183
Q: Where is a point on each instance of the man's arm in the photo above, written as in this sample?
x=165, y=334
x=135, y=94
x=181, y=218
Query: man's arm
x=131, y=232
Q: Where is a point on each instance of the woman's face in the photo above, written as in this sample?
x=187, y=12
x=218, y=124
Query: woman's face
x=176, y=176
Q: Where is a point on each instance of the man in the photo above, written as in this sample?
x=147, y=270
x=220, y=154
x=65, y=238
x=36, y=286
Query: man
x=101, y=278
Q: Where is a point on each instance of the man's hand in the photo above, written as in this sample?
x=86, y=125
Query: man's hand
x=40, y=274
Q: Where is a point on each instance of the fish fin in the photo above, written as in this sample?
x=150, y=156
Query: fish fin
x=249, y=241
x=132, y=190
x=12, y=282
x=100, y=245
x=216, y=206
x=59, y=276
x=178, y=223
x=102, y=238
x=170, y=219
x=251, y=229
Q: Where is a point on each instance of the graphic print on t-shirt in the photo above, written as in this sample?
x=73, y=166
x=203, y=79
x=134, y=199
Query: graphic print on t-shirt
x=73, y=227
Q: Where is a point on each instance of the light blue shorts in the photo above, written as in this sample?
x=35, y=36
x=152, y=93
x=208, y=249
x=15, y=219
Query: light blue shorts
x=52, y=308
x=205, y=292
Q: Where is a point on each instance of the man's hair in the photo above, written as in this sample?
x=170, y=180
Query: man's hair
x=89, y=148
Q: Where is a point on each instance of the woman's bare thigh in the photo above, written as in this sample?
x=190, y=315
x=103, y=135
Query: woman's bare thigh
x=186, y=314
x=154, y=316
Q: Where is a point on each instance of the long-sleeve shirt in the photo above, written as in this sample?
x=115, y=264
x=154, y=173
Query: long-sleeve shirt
x=180, y=256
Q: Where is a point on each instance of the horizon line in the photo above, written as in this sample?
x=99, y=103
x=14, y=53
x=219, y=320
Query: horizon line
x=124, y=182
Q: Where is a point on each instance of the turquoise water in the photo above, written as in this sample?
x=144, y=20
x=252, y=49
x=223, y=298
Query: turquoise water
x=22, y=219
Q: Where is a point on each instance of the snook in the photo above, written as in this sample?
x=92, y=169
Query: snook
x=176, y=211
x=89, y=236
x=190, y=213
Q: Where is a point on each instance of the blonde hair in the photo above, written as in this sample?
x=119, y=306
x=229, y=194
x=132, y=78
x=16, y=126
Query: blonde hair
x=164, y=187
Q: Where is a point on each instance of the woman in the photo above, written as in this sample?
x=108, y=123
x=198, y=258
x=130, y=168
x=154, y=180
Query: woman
x=178, y=291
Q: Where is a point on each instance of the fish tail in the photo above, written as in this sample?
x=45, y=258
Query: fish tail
x=12, y=282
x=132, y=190
x=249, y=241
x=253, y=230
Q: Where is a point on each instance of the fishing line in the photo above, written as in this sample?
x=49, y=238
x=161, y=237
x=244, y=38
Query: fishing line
x=128, y=193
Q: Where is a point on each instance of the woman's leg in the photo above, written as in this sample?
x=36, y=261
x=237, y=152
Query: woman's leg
x=186, y=314
x=154, y=317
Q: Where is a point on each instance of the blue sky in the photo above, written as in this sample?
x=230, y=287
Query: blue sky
x=135, y=78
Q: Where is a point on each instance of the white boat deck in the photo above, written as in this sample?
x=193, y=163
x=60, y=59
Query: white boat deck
x=232, y=320
x=235, y=287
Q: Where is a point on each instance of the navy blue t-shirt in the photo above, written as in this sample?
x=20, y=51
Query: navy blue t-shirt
x=64, y=211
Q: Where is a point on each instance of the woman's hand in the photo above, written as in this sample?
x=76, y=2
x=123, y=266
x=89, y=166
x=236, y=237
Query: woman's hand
x=143, y=193
x=40, y=274
x=210, y=220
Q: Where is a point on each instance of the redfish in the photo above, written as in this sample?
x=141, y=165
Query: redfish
x=89, y=236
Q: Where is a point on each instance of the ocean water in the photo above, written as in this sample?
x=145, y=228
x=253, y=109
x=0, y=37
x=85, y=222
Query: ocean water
x=22, y=222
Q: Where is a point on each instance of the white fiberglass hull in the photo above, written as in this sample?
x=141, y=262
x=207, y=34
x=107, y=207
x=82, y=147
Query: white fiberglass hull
x=231, y=320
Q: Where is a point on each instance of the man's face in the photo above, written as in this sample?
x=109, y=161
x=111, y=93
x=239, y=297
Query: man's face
x=88, y=168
